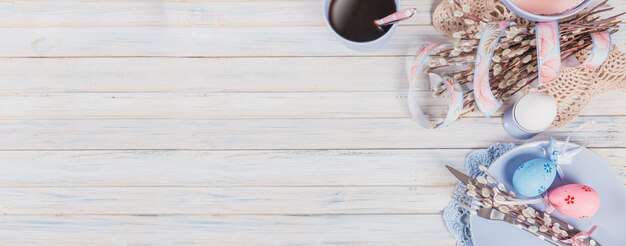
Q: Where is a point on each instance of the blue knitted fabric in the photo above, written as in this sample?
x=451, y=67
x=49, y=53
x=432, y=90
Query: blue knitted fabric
x=455, y=217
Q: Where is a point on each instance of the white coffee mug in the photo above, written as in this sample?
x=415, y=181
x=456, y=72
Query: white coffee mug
x=360, y=46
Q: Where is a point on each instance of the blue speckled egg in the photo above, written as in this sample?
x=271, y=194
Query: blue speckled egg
x=534, y=177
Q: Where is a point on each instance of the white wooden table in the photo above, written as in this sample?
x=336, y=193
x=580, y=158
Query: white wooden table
x=225, y=122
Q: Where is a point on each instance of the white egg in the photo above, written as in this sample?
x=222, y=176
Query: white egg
x=535, y=112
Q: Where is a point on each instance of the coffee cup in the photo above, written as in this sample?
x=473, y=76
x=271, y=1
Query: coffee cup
x=353, y=41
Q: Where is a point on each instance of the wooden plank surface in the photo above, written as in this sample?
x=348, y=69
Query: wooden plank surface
x=203, y=42
x=247, y=105
x=224, y=201
x=224, y=230
x=196, y=41
x=176, y=13
x=223, y=134
x=141, y=13
x=276, y=74
x=250, y=168
x=239, y=122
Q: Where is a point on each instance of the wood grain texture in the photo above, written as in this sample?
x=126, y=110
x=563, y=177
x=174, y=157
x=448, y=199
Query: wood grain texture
x=254, y=168
x=235, y=134
x=197, y=75
x=224, y=201
x=177, y=13
x=276, y=74
x=227, y=122
x=325, y=105
x=201, y=13
x=203, y=42
x=224, y=230
x=197, y=42
x=251, y=168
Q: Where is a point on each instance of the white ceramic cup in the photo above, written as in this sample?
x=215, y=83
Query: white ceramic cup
x=360, y=46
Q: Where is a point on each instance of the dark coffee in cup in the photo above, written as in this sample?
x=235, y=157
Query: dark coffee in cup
x=354, y=19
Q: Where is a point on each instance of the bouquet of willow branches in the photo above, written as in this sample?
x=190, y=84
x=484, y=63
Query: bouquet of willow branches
x=514, y=64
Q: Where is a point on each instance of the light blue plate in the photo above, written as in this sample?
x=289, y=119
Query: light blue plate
x=587, y=168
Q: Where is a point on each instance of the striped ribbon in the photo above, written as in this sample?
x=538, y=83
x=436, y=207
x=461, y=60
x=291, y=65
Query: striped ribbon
x=600, y=51
x=549, y=52
x=455, y=93
x=487, y=103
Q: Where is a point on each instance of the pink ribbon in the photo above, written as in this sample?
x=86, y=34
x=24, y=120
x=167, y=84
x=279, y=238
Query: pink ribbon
x=455, y=93
x=548, y=52
x=487, y=103
x=579, y=238
x=600, y=52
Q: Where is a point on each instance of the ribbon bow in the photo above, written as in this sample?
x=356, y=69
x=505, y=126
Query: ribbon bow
x=563, y=156
x=579, y=238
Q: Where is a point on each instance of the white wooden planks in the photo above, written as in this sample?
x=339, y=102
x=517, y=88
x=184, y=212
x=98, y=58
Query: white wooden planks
x=177, y=13
x=224, y=230
x=250, y=168
x=225, y=123
x=276, y=74
x=214, y=13
x=212, y=105
x=224, y=201
x=196, y=42
x=325, y=105
x=253, y=168
x=277, y=134
x=190, y=29
x=202, y=42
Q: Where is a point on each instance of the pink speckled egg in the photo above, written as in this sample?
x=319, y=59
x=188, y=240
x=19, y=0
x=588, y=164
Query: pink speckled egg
x=575, y=200
x=546, y=7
